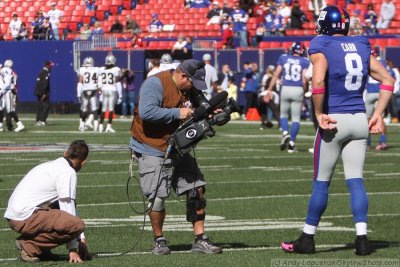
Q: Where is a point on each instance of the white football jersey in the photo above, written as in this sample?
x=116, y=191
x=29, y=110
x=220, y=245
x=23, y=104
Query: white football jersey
x=9, y=78
x=90, y=77
x=108, y=78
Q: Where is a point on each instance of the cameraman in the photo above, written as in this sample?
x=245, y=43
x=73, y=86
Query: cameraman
x=162, y=107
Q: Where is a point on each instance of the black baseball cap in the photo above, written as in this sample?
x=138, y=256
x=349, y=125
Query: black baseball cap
x=196, y=72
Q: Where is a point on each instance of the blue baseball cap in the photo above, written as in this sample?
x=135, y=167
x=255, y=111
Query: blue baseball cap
x=195, y=71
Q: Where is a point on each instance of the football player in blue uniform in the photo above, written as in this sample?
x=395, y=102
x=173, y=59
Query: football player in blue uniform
x=293, y=67
x=341, y=67
x=371, y=97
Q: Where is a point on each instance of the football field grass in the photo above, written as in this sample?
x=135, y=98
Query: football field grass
x=257, y=196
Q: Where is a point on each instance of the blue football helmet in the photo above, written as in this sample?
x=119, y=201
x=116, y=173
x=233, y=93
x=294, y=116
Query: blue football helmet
x=297, y=48
x=333, y=20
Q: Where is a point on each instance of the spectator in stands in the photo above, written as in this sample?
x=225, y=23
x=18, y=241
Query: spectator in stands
x=23, y=34
x=117, y=26
x=97, y=31
x=225, y=21
x=369, y=28
x=41, y=16
x=273, y=23
x=155, y=24
x=386, y=14
x=188, y=49
x=247, y=6
x=136, y=41
x=297, y=17
x=14, y=26
x=240, y=18
x=227, y=36
x=357, y=28
x=85, y=32
x=199, y=3
x=46, y=32
x=370, y=13
x=355, y=17
x=285, y=11
x=316, y=6
x=214, y=14
x=131, y=25
x=178, y=48
x=259, y=12
x=35, y=28
x=226, y=9
x=223, y=78
x=90, y=5
x=56, y=16
x=260, y=32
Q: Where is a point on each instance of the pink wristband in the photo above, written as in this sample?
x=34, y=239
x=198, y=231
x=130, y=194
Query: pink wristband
x=386, y=87
x=316, y=91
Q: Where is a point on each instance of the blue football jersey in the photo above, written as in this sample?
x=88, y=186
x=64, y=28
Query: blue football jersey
x=292, y=68
x=348, y=66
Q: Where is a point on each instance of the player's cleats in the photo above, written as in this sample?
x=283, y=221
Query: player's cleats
x=1, y=127
x=311, y=150
x=205, y=246
x=381, y=146
x=109, y=129
x=101, y=128
x=95, y=125
x=303, y=245
x=82, y=127
x=285, y=141
x=362, y=245
x=160, y=247
x=20, y=127
x=292, y=149
x=89, y=124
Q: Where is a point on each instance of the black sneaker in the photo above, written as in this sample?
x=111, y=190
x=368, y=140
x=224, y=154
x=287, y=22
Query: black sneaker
x=205, y=246
x=285, y=141
x=302, y=245
x=362, y=245
x=160, y=247
x=292, y=149
x=269, y=124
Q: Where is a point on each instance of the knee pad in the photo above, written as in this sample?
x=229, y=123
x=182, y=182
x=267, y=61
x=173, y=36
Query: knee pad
x=157, y=204
x=195, y=203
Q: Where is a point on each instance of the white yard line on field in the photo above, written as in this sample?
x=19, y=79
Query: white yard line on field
x=241, y=198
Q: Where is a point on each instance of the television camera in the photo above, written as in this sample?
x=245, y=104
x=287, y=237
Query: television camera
x=216, y=111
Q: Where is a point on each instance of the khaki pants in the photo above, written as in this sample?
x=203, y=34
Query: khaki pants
x=46, y=229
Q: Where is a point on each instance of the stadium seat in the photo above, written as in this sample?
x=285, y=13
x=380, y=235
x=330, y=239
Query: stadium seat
x=393, y=42
x=381, y=42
